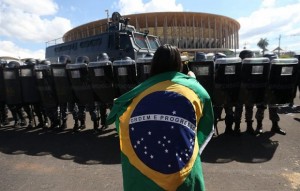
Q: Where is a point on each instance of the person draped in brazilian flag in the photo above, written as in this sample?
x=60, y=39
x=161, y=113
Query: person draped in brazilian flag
x=163, y=125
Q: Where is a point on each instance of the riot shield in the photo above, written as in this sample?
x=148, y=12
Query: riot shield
x=282, y=81
x=297, y=87
x=79, y=79
x=143, y=67
x=12, y=83
x=227, y=81
x=101, y=78
x=204, y=71
x=255, y=74
x=29, y=84
x=2, y=92
x=45, y=85
x=62, y=84
x=125, y=78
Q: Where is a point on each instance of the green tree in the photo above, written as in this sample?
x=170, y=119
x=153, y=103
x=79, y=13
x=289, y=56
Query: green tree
x=263, y=43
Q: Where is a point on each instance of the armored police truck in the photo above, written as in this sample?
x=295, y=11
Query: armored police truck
x=120, y=40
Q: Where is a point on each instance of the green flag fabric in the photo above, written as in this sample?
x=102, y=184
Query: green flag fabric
x=163, y=125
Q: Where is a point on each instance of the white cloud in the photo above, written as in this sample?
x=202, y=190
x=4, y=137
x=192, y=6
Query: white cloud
x=270, y=22
x=8, y=48
x=23, y=20
x=29, y=22
x=131, y=7
x=40, y=7
x=268, y=3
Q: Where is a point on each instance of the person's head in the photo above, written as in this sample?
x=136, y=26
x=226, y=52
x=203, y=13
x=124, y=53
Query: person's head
x=246, y=54
x=166, y=59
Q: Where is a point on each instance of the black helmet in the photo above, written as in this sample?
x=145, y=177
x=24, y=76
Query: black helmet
x=38, y=61
x=30, y=61
x=45, y=62
x=270, y=55
x=13, y=64
x=219, y=55
x=200, y=56
x=246, y=54
x=82, y=59
x=64, y=59
x=103, y=57
x=3, y=62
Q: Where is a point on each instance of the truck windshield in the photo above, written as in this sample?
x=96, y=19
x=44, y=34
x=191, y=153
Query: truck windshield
x=140, y=40
x=153, y=42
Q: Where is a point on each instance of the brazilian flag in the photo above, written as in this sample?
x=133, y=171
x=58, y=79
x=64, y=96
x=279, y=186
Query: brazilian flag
x=163, y=125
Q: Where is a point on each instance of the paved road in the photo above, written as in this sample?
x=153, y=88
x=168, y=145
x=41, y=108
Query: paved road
x=37, y=160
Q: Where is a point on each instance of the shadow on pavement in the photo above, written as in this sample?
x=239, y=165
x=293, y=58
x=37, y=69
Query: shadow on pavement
x=83, y=147
x=297, y=119
x=288, y=109
x=244, y=148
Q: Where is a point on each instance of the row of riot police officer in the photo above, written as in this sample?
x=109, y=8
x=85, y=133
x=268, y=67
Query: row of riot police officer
x=247, y=81
x=11, y=98
x=30, y=86
x=76, y=87
x=229, y=81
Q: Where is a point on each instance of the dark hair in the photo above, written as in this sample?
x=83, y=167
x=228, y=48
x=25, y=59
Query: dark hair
x=166, y=59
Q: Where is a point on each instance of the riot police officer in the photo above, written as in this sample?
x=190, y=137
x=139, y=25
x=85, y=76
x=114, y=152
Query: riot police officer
x=273, y=115
x=3, y=108
x=3, y=114
x=248, y=107
x=63, y=89
x=228, y=108
x=13, y=92
x=31, y=99
x=46, y=90
x=100, y=105
x=83, y=93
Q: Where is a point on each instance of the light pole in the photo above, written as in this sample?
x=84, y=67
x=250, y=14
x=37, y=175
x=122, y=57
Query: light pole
x=279, y=46
x=107, y=15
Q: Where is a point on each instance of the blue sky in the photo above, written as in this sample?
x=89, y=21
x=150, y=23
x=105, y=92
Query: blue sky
x=25, y=26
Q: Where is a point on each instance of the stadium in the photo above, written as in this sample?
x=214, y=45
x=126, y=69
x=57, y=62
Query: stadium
x=186, y=30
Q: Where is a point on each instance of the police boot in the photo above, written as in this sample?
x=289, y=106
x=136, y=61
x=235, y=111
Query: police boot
x=63, y=124
x=259, y=127
x=96, y=125
x=5, y=122
x=104, y=126
x=237, y=129
x=23, y=122
x=228, y=129
x=250, y=129
x=76, y=125
x=54, y=124
x=30, y=124
x=276, y=129
x=40, y=125
x=17, y=124
x=45, y=123
x=82, y=124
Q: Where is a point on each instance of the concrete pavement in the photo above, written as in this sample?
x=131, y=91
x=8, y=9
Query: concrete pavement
x=37, y=160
